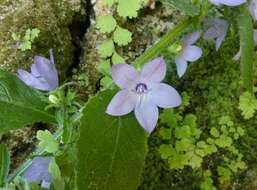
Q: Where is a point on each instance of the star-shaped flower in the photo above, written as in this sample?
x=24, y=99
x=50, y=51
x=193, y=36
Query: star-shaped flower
x=142, y=92
x=218, y=30
x=228, y=2
x=189, y=53
x=38, y=172
x=43, y=74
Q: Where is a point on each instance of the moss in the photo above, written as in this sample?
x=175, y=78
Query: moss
x=52, y=18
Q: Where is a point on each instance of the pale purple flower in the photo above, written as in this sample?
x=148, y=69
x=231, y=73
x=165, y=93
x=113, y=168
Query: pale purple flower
x=253, y=9
x=142, y=92
x=228, y=2
x=238, y=55
x=218, y=30
x=189, y=53
x=38, y=172
x=43, y=74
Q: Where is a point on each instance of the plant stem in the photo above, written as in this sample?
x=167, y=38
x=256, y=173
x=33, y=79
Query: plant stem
x=163, y=43
x=247, y=47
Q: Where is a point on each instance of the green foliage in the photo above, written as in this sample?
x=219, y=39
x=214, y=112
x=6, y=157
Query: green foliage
x=20, y=105
x=4, y=164
x=128, y=10
x=185, y=6
x=25, y=43
x=106, y=23
x=47, y=141
x=248, y=105
x=117, y=59
x=207, y=183
x=122, y=36
x=111, y=150
x=54, y=169
x=106, y=49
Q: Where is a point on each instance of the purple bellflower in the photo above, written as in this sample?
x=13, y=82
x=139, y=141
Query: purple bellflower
x=228, y=2
x=142, y=92
x=38, y=172
x=238, y=55
x=43, y=74
x=189, y=53
x=218, y=30
x=253, y=9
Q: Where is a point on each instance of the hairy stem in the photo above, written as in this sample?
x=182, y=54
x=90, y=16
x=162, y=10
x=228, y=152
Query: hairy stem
x=247, y=47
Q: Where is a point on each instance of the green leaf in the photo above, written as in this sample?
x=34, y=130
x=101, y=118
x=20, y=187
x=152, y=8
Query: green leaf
x=183, y=132
x=184, y=145
x=4, y=164
x=122, y=36
x=165, y=133
x=34, y=34
x=224, y=141
x=111, y=150
x=214, y=132
x=185, y=6
x=107, y=83
x=105, y=68
x=168, y=117
x=117, y=59
x=178, y=161
x=195, y=161
x=166, y=151
x=128, y=9
x=106, y=48
x=248, y=105
x=106, y=23
x=20, y=105
x=47, y=141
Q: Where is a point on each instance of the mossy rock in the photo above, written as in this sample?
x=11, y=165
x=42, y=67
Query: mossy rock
x=52, y=18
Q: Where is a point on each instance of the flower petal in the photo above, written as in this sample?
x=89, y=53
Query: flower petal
x=210, y=34
x=181, y=65
x=165, y=96
x=38, y=170
x=228, y=2
x=47, y=71
x=154, y=71
x=219, y=41
x=147, y=115
x=34, y=71
x=192, y=53
x=30, y=80
x=253, y=9
x=122, y=103
x=191, y=38
x=124, y=75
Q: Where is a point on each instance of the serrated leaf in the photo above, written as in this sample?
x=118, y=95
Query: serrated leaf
x=183, y=132
x=168, y=117
x=20, y=105
x=117, y=59
x=195, y=161
x=178, y=161
x=128, y=9
x=4, y=164
x=166, y=151
x=106, y=23
x=248, y=105
x=122, y=36
x=107, y=83
x=184, y=145
x=185, y=6
x=214, y=132
x=105, y=68
x=165, y=133
x=106, y=49
x=111, y=150
x=47, y=141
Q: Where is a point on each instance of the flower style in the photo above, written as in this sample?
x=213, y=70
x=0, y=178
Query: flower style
x=142, y=92
x=253, y=9
x=189, y=53
x=43, y=74
x=38, y=172
x=238, y=55
x=228, y=2
x=218, y=30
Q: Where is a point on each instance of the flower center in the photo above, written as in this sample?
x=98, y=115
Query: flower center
x=141, y=88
